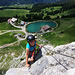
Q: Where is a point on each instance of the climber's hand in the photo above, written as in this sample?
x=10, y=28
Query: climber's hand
x=41, y=46
x=27, y=65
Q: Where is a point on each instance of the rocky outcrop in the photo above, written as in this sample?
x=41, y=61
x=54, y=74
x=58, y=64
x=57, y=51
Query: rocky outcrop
x=62, y=62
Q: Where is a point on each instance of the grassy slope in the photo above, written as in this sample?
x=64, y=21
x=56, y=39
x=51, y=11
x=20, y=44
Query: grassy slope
x=53, y=8
x=13, y=12
x=6, y=26
x=70, y=11
x=49, y=10
x=66, y=36
x=29, y=6
x=7, y=38
x=17, y=50
x=7, y=54
x=64, y=24
x=20, y=12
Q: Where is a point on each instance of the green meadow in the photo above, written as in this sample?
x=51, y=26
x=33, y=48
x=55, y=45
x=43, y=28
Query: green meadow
x=13, y=12
x=29, y=6
x=63, y=34
x=68, y=12
x=7, y=38
x=23, y=12
x=64, y=24
x=6, y=26
x=50, y=9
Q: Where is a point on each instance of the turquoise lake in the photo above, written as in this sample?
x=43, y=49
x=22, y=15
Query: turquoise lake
x=35, y=27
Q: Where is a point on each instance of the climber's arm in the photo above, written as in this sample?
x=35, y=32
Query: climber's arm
x=27, y=53
x=37, y=44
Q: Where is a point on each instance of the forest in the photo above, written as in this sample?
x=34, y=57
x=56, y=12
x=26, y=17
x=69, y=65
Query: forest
x=37, y=11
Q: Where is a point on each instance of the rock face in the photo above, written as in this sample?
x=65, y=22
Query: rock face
x=62, y=63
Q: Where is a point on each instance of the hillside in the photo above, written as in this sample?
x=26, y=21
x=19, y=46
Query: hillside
x=62, y=14
x=12, y=2
x=62, y=63
x=65, y=1
x=64, y=33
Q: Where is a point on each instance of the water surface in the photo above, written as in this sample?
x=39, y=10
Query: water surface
x=35, y=27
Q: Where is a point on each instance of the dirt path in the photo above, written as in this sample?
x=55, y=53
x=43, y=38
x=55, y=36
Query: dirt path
x=19, y=39
x=6, y=45
x=8, y=31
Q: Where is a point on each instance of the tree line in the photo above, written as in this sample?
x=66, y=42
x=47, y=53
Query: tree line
x=3, y=19
x=65, y=6
x=38, y=7
x=14, y=8
x=30, y=17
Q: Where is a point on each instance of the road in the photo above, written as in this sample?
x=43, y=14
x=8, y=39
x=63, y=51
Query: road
x=23, y=29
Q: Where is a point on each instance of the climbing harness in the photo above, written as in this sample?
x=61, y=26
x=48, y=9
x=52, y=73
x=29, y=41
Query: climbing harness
x=36, y=52
x=55, y=59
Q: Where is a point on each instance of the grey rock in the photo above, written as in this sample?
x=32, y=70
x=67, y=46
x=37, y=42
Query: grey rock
x=47, y=65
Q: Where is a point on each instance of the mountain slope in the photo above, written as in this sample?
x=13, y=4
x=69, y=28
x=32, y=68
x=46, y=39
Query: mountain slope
x=10, y=2
x=55, y=64
x=65, y=1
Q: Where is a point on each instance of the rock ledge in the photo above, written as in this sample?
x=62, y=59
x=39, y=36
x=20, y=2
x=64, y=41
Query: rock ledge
x=47, y=65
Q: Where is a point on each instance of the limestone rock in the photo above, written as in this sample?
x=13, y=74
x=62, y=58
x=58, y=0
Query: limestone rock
x=49, y=64
x=70, y=72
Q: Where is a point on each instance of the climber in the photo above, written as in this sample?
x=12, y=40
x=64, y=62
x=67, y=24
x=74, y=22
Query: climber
x=30, y=49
